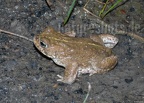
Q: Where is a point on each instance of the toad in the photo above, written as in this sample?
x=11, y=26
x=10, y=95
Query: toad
x=77, y=55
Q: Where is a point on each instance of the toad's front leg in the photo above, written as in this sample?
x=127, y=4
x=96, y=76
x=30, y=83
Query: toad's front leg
x=69, y=74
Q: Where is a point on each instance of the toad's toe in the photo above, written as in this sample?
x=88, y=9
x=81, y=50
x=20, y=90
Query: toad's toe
x=60, y=78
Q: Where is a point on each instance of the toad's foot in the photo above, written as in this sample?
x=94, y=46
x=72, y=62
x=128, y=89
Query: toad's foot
x=109, y=40
x=105, y=39
x=65, y=79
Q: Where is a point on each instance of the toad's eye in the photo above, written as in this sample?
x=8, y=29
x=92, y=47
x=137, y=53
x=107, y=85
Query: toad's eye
x=43, y=44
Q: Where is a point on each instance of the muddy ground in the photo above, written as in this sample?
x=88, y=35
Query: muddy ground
x=27, y=76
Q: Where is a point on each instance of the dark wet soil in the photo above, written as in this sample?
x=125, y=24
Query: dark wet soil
x=27, y=76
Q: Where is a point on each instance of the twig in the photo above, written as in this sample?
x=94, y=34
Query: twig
x=16, y=35
x=89, y=88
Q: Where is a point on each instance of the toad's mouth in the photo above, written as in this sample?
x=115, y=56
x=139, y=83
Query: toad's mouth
x=36, y=40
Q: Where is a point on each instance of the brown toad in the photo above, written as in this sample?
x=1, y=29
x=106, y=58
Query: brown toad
x=78, y=55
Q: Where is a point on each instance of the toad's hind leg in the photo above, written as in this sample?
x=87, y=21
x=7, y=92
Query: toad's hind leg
x=69, y=74
x=109, y=40
x=107, y=64
x=105, y=39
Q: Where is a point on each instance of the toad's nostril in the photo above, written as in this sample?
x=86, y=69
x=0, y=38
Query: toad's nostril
x=43, y=44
